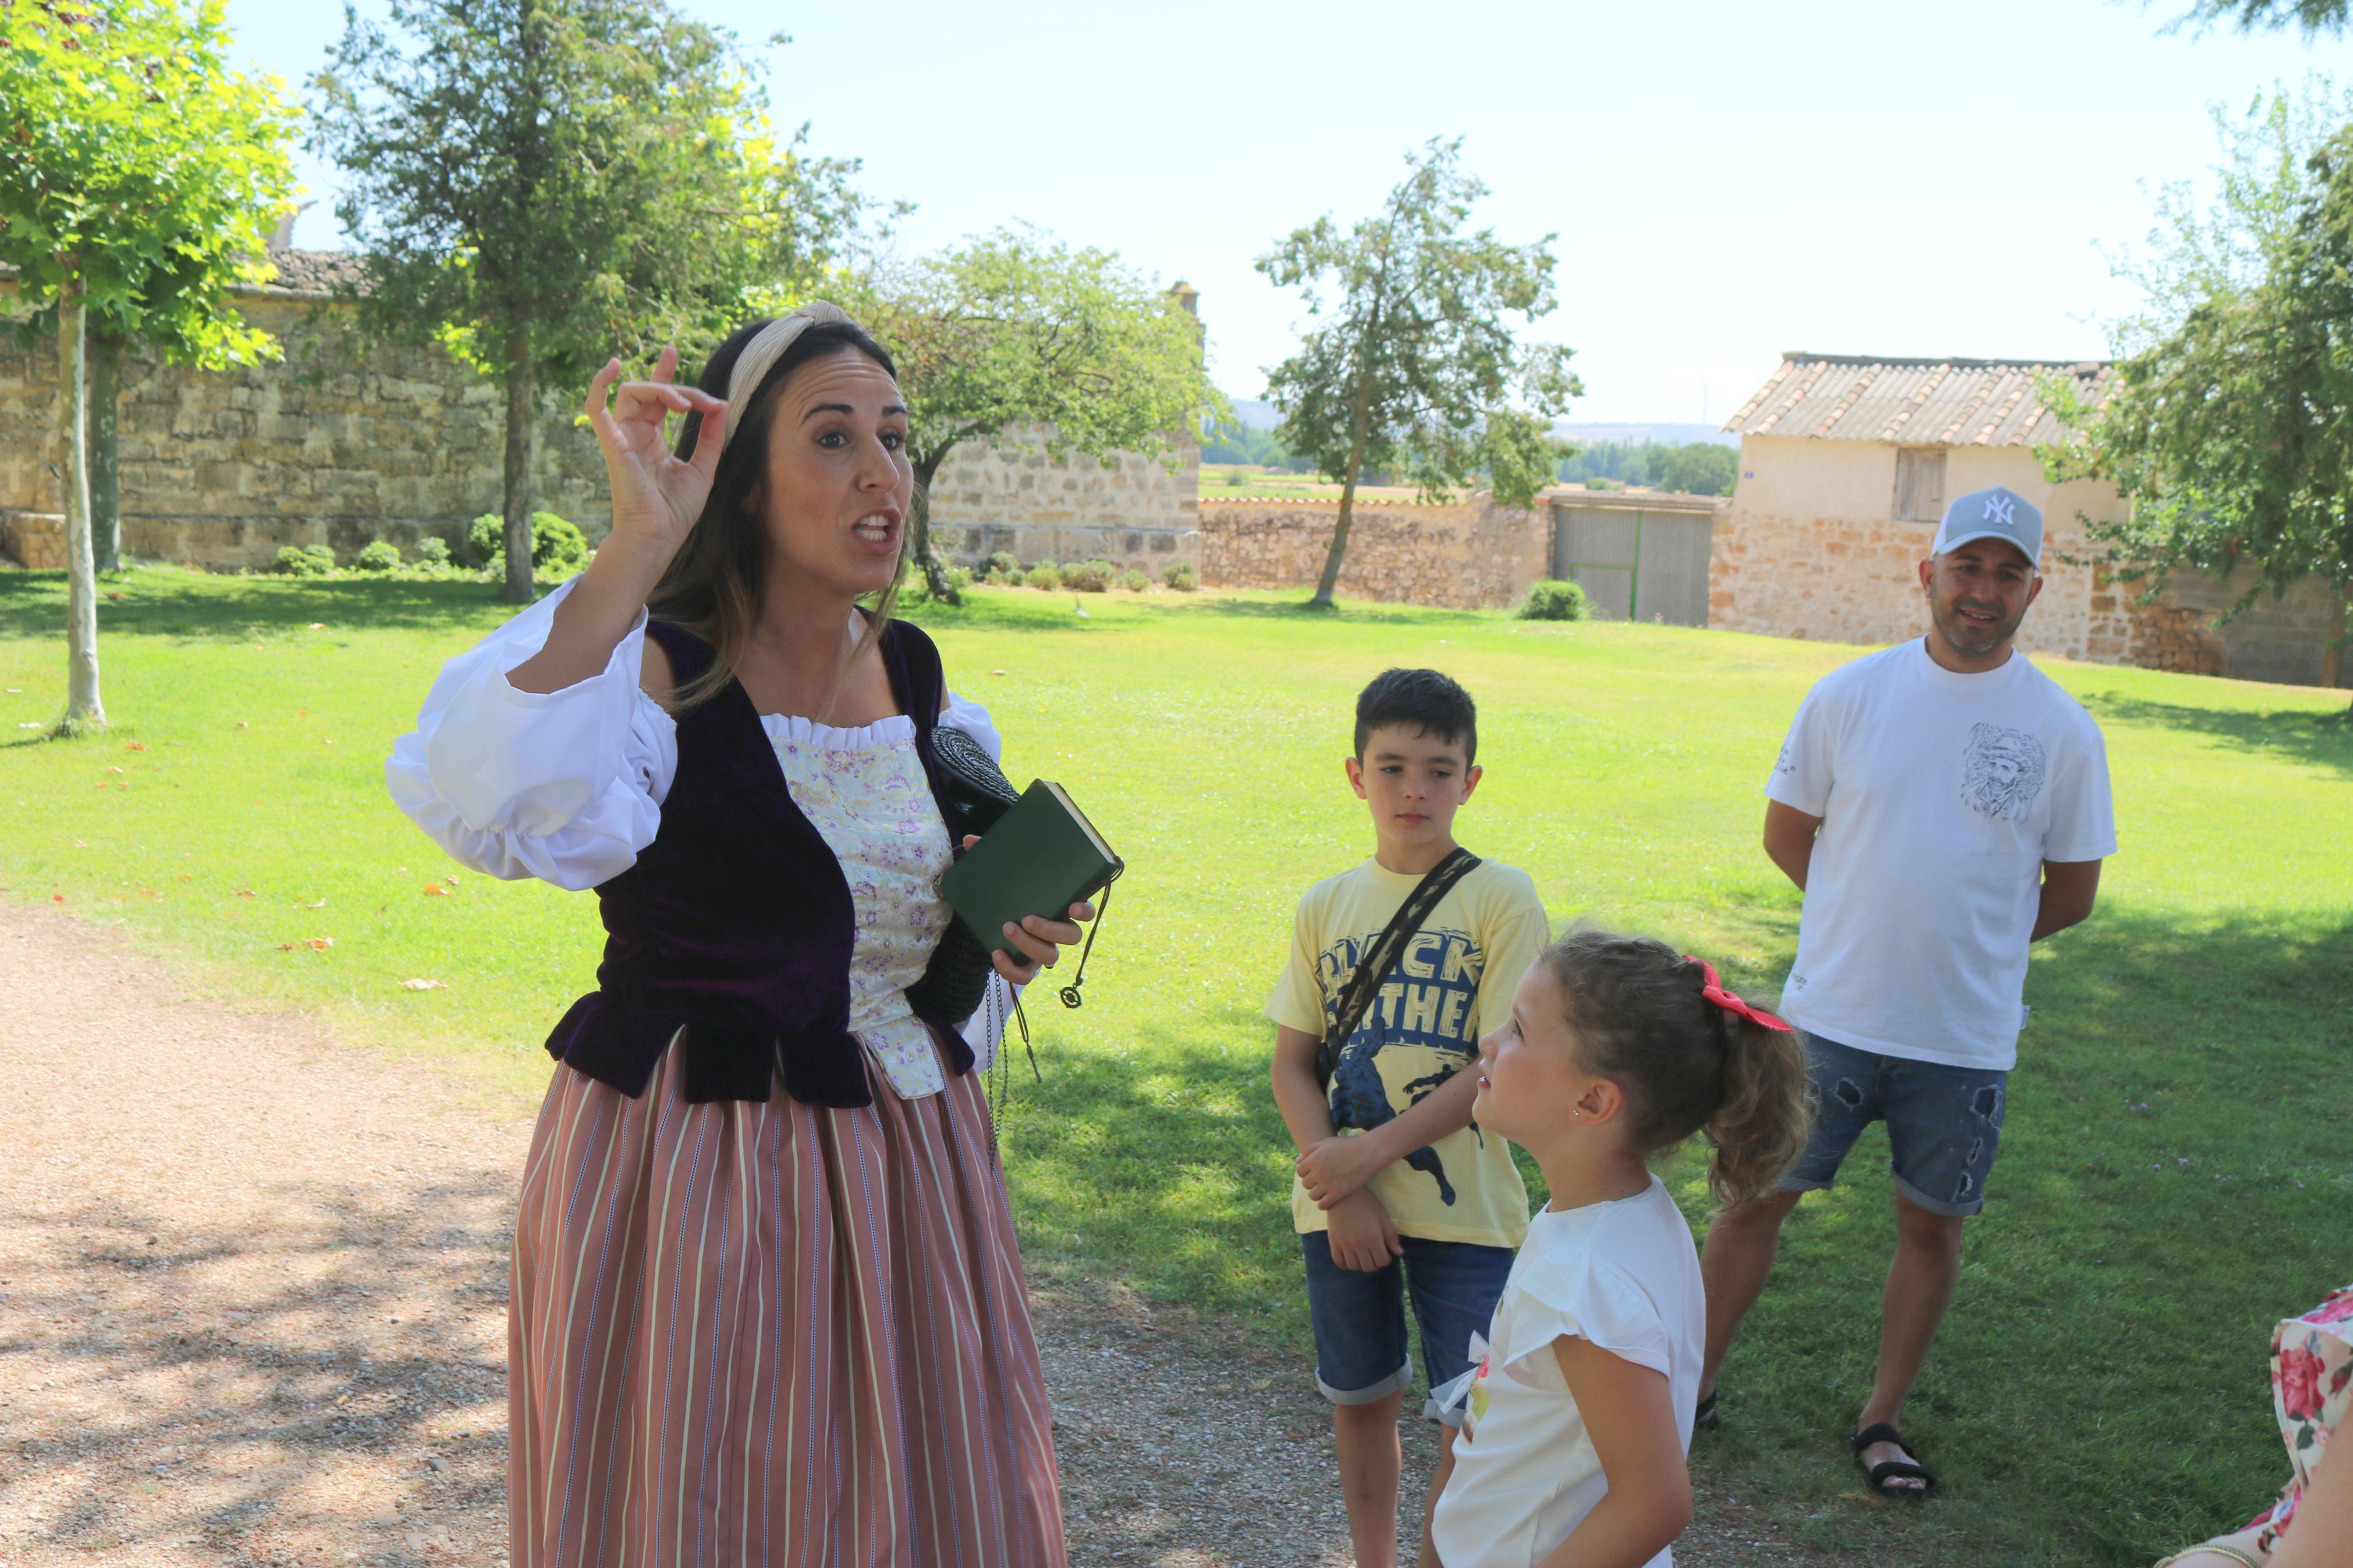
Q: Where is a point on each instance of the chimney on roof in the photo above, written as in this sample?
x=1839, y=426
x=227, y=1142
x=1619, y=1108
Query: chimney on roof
x=1187, y=296
x=282, y=236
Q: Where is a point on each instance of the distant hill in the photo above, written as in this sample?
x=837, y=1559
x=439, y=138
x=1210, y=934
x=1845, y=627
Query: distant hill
x=1256, y=414
x=1657, y=435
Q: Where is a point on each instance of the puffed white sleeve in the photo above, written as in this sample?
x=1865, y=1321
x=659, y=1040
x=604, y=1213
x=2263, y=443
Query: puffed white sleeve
x=963, y=713
x=1577, y=1296
x=566, y=786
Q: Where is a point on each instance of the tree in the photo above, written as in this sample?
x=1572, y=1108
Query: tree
x=2229, y=423
x=1015, y=328
x=1697, y=468
x=138, y=182
x=2310, y=16
x=1411, y=366
x=542, y=184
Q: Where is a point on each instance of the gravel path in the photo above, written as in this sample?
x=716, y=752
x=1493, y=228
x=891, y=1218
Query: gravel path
x=253, y=1311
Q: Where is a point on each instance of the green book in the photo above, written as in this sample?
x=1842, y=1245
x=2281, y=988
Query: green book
x=1042, y=857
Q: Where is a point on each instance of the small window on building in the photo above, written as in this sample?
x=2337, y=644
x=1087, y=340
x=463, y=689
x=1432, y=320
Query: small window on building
x=1920, y=484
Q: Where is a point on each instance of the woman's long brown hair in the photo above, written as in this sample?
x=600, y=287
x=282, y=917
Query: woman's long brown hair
x=716, y=586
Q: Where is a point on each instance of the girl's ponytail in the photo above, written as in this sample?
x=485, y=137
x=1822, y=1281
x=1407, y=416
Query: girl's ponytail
x=1759, y=1127
x=1690, y=1055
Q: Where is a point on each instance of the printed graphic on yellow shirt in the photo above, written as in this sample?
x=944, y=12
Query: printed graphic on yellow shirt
x=1419, y=1032
x=1452, y=984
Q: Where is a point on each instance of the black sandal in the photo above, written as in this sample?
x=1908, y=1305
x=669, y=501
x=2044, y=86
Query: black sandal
x=1891, y=1469
x=1704, y=1416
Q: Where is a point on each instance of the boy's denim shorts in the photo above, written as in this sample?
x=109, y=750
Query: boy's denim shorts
x=1944, y=1123
x=1360, y=1319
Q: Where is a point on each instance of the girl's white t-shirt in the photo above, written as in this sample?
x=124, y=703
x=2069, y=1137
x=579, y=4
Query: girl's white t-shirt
x=1622, y=1275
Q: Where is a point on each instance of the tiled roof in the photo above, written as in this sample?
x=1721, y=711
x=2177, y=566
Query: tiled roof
x=1914, y=402
x=316, y=271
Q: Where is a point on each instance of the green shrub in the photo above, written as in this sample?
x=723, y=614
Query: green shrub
x=959, y=577
x=378, y=556
x=557, y=548
x=998, y=577
x=1135, y=582
x=433, y=551
x=308, y=561
x=1181, y=575
x=1088, y=577
x=1045, y=574
x=1000, y=562
x=1552, y=600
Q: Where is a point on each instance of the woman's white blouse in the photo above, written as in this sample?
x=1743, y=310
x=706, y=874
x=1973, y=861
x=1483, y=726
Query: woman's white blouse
x=567, y=786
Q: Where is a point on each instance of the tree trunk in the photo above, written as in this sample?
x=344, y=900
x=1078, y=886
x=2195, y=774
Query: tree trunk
x=83, y=709
x=919, y=531
x=2332, y=656
x=522, y=441
x=105, y=356
x=1359, y=426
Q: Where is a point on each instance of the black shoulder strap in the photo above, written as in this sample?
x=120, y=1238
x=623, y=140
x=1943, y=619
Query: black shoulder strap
x=689, y=656
x=1373, y=968
x=917, y=680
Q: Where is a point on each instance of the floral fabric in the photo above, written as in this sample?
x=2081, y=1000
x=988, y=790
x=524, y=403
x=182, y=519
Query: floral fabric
x=2312, y=1387
x=865, y=792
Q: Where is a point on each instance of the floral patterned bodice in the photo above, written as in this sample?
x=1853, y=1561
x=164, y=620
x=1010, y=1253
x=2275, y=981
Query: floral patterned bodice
x=865, y=792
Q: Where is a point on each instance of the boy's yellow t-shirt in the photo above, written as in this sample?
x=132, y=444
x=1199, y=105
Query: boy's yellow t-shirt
x=1453, y=983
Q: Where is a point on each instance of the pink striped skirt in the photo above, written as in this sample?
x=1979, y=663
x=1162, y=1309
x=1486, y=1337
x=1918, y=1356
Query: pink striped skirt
x=772, y=1335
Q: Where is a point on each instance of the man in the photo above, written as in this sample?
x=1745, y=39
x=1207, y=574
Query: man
x=1942, y=805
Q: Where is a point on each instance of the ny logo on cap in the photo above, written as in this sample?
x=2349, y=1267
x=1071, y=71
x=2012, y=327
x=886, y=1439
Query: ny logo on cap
x=1997, y=511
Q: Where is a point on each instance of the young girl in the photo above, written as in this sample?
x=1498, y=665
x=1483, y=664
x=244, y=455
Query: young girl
x=1571, y=1449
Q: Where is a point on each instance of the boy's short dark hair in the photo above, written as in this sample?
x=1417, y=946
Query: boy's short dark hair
x=1422, y=700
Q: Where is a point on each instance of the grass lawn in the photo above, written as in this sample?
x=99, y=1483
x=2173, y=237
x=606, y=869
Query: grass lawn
x=2174, y=1174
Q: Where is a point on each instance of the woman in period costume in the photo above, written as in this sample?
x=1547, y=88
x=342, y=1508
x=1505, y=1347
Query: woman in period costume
x=768, y=1305
x=2310, y=1523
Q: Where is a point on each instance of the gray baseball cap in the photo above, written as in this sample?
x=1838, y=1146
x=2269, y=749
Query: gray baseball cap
x=1997, y=513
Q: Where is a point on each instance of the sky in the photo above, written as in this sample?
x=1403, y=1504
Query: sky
x=1728, y=181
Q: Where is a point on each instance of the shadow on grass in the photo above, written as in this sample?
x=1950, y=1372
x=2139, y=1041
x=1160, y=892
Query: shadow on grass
x=175, y=603
x=2171, y=1177
x=2170, y=1173
x=2321, y=739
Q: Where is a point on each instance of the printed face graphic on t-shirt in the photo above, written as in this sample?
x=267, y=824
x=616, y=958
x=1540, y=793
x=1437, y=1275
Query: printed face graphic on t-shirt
x=1420, y=1029
x=2001, y=772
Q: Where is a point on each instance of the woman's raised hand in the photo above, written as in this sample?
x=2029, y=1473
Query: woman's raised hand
x=656, y=496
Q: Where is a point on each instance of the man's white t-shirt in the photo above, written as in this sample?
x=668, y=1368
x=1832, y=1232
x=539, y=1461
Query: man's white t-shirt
x=1622, y=1275
x=1941, y=795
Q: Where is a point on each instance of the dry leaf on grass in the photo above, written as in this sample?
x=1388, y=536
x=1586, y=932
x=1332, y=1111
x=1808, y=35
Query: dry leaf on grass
x=423, y=986
x=317, y=943
x=436, y=891
x=246, y=893
x=319, y=905
x=133, y=746
x=318, y=625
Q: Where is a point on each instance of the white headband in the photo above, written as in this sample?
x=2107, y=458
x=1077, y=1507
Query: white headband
x=767, y=347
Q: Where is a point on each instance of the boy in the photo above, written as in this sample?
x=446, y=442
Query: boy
x=1396, y=1191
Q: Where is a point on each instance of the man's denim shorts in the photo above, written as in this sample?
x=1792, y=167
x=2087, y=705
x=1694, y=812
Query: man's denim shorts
x=1944, y=1123
x=1360, y=1319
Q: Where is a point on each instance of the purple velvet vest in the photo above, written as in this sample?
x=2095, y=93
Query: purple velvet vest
x=736, y=922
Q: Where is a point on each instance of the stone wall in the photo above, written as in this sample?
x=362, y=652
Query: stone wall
x=1470, y=555
x=1807, y=549
x=1016, y=494
x=340, y=444
x=337, y=444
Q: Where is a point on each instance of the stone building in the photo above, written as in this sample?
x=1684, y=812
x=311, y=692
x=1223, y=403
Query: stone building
x=1846, y=463
x=342, y=442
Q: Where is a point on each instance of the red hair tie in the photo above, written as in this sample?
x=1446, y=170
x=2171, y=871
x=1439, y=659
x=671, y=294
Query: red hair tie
x=1714, y=992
